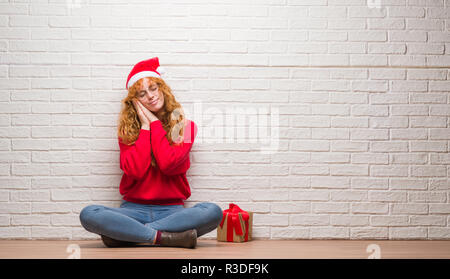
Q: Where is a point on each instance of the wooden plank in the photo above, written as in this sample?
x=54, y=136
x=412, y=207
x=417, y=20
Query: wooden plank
x=206, y=248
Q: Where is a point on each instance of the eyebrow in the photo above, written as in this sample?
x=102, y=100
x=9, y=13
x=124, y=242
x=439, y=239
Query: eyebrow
x=144, y=90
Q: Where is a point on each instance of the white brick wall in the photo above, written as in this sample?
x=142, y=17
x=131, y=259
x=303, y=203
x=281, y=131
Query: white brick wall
x=362, y=95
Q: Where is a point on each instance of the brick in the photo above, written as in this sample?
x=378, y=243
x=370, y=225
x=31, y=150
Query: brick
x=31, y=119
x=406, y=60
x=426, y=74
x=441, y=110
x=253, y=169
x=428, y=197
x=269, y=195
x=309, y=220
x=405, y=209
x=391, y=122
x=409, y=134
x=330, y=158
x=51, y=182
x=439, y=184
x=408, y=86
x=69, y=195
x=438, y=233
x=430, y=146
x=409, y=158
x=30, y=220
x=15, y=232
x=331, y=86
x=389, y=221
x=389, y=171
x=349, y=220
x=330, y=134
x=389, y=147
x=407, y=233
x=310, y=170
x=290, y=233
x=308, y=121
x=289, y=207
x=290, y=182
x=51, y=132
x=330, y=208
x=439, y=208
x=428, y=221
x=369, y=208
x=368, y=134
x=32, y=196
x=369, y=158
x=65, y=220
x=391, y=196
x=350, y=170
x=63, y=169
x=366, y=110
x=438, y=98
x=353, y=47
x=367, y=36
x=350, y=122
x=15, y=208
x=425, y=48
x=349, y=146
x=368, y=60
x=369, y=233
x=386, y=23
x=349, y=196
x=50, y=232
x=269, y=219
x=428, y=121
x=30, y=169
x=309, y=195
x=330, y=233
x=309, y=145
x=386, y=48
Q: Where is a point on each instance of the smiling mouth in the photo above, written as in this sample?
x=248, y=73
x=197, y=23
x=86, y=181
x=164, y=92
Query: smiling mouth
x=154, y=102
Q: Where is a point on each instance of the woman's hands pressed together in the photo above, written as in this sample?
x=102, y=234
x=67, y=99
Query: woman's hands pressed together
x=145, y=116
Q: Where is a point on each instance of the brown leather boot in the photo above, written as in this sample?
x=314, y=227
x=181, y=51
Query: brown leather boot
x=186, y=239
x=113, y=243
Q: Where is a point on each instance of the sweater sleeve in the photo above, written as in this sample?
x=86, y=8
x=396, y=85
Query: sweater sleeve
x=172, y=159
x=135, y=159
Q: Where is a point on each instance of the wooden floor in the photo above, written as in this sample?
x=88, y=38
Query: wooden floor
x=211, y=249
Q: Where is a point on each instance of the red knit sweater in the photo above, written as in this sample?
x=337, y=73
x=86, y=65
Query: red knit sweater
x=165, y=184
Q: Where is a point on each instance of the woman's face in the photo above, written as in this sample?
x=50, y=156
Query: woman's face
x=150, y=95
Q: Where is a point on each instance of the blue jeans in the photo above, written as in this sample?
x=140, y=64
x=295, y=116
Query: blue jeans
x=135, y=222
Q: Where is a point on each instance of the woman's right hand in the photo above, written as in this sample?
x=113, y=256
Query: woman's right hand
x=145, y=122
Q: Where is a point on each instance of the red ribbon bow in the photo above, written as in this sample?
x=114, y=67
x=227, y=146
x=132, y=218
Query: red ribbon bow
x=233, y=222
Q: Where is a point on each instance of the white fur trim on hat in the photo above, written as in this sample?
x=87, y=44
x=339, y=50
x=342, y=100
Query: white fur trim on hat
x=161, y=70
x=140, y=75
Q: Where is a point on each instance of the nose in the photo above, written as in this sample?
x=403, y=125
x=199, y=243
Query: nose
x=150, y=97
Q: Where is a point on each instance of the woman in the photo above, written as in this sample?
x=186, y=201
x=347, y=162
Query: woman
x=155, y=140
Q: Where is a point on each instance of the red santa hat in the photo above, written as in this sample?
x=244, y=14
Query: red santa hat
x=146, y=68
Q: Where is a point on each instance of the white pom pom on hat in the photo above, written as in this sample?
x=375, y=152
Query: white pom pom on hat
x=161, y=70
x=146, y=68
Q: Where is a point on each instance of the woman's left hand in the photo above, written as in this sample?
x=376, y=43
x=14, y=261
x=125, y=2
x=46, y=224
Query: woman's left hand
x=147, y=112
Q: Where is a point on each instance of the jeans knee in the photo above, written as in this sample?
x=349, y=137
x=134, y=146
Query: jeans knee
x=87, y=213
x=215, y=212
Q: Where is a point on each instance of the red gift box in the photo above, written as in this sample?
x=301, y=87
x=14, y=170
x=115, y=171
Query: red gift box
x=236, y=225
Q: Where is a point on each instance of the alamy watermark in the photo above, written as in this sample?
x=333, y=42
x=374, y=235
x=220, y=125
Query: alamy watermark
x=75, y=4
x=374, y=4
x=253, y=124
x=375, y=251
x=74, y=251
